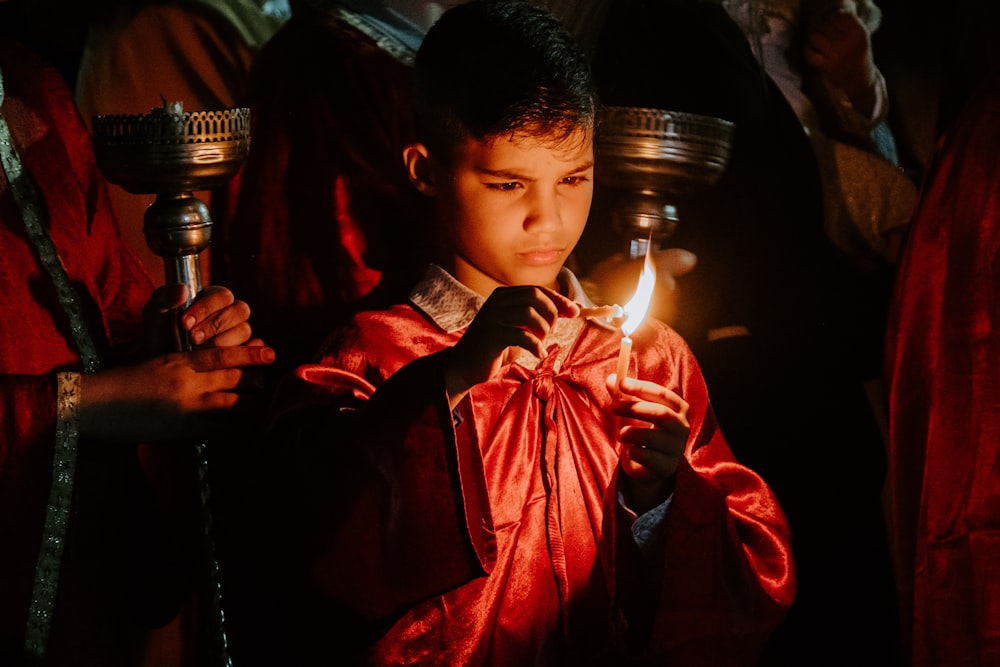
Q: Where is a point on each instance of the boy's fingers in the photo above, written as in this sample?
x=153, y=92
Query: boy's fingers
x=546, y=302
x=648, y=391
x=660, y=416
x=670, y=442
x=651, y=403
x=565, y=306
x=661, y=464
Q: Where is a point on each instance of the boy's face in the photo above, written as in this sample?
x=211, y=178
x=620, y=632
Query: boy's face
x=514, y=208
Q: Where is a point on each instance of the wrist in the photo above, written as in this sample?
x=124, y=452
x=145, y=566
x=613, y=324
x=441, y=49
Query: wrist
x=644, y=495
x=95, y=393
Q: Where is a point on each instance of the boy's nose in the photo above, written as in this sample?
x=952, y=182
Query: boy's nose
x=544, y=213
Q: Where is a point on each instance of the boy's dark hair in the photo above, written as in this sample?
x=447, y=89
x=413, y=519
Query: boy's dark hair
x=491, y=67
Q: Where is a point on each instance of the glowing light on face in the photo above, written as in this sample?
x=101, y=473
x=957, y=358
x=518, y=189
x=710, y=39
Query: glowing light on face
x=638, y=305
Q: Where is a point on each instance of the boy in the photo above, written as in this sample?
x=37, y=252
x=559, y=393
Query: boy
x=463, y=488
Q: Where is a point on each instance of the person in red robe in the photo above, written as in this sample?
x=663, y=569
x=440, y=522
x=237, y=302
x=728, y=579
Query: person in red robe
x=943, y=355
x=78, y=387
x=465, y=482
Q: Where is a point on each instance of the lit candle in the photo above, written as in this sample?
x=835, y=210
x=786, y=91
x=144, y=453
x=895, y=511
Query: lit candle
x=635, y=313
x=624, y=356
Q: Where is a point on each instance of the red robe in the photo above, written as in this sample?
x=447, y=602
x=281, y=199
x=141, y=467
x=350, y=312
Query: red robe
x=499, y=540
x=35, y=343
x=943, y=356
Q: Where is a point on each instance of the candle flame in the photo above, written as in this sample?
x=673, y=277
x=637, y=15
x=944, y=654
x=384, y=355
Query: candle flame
x=638, y=305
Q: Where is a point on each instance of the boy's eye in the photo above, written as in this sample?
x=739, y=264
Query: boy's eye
x=574, y=180
x=503, y=187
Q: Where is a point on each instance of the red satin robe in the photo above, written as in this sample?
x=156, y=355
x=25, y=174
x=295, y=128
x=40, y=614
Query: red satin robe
x=943, y=355
x=35, y=343
x=496, y=537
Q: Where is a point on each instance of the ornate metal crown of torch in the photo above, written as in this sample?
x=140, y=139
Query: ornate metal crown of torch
x=172, y=153
x=653, y=155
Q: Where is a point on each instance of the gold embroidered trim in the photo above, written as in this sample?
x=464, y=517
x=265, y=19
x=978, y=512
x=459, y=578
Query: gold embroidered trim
x=43, y=596
x=50, y=552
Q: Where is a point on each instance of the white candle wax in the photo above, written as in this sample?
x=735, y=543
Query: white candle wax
x=624, y=356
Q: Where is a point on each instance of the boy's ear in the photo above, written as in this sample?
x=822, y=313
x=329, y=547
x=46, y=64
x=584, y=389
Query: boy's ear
x=418, y=166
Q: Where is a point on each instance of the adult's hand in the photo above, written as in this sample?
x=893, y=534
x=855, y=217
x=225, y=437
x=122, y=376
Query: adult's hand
x=168, y=397
x=214, y=319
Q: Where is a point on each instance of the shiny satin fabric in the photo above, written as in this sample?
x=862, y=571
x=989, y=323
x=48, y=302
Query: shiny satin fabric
x=497, y=537
x=943, y=353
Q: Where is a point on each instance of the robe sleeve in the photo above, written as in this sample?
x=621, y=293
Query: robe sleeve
x=390, y=498
x=722, y=577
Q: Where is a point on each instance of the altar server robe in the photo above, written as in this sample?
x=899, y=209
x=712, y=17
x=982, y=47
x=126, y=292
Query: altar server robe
x=495, y=535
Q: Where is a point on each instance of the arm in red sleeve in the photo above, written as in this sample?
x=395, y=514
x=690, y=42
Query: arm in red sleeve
x=722, y=576
x=390, y=497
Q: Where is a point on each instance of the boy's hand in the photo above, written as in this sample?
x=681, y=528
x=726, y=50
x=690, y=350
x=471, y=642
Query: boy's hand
x=520, y=316
x=839, y=48
x=166, y=397
x=653, y=449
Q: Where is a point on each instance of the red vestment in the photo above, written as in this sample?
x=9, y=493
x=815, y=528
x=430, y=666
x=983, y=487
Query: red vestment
x=495, y=536
x=943, y=356
x=36, y=343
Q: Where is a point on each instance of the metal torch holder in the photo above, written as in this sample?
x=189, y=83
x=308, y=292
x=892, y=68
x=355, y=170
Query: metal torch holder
x=172, y=155
x=650, y=156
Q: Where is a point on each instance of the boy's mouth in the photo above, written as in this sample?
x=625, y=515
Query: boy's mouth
x=541, y=256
